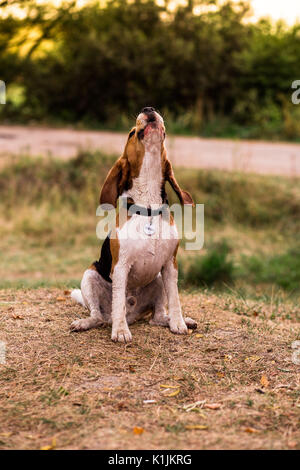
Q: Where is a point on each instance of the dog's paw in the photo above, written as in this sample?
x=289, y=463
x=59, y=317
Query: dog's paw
x=84, y=324
x=121, y=335
x=179, y=328
x=190, y=323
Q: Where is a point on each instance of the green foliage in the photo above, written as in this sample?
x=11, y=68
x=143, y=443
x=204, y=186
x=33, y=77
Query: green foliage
x=282, y=269
x=216, y=268
x=210, y=73
x=213, y=268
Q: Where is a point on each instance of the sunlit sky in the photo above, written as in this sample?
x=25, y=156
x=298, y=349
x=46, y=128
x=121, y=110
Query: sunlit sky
x=288, y=10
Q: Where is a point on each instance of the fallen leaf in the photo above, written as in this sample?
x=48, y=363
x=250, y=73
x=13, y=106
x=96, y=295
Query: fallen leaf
x=168, y=386
x=5, y=434
x=131, y=368
x=192, y=406
x=292, y=444
x=60, y=299
x=173, y=394
x=17, y=317
x=251, y=430
x=67, y=292
x=148, y=402
x=264, y=381
x=51, y=446
x=33, y=438
x=138, y=431
x=121, y=406
x=213, y=406
x=227, y=357
x=282, y=386
x=199, y=336
x=252, y=359
x=200, y=427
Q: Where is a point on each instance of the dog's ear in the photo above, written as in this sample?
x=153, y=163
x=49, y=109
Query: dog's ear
x=117, y=179
x=184, y=196
x=115, y=182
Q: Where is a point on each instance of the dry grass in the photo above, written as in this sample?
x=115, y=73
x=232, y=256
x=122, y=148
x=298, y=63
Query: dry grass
x=84, y=391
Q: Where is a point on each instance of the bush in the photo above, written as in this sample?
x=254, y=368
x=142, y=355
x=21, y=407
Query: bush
x=282, y=270
x=212, y=268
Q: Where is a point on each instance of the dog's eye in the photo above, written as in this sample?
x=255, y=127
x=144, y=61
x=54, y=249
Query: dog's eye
x=131, y=133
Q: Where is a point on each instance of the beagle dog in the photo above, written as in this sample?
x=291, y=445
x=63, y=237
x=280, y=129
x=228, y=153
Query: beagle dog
x=137, y=271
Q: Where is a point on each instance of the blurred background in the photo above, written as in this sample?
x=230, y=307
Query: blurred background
x=213, y=68
x=220, y=72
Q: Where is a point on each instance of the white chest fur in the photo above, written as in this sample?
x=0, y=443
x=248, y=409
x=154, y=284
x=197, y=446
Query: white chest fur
x=145, y=255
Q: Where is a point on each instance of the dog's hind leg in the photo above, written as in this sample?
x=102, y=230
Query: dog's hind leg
x=96, y=294
x=144, y=300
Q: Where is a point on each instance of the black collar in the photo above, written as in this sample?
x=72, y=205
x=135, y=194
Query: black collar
x=146, y=211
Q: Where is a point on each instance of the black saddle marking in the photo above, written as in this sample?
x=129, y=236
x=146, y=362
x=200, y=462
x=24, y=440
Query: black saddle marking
x=103, y=266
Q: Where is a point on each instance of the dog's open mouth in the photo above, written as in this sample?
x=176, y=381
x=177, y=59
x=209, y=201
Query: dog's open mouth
x=150, y=127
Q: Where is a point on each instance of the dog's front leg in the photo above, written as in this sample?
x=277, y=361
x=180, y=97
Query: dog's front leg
x=120, y=330
x=170, y=277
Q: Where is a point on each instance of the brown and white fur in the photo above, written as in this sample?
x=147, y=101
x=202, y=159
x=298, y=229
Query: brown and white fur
x=144, y=270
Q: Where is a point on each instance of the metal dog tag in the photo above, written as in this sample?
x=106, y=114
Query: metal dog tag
x=149, y=229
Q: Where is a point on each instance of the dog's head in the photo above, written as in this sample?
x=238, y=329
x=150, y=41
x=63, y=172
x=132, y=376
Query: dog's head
x=149, y=130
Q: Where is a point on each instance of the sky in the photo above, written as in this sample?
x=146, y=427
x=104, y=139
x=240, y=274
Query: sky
x=289, y=10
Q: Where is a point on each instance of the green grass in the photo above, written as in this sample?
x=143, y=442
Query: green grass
x=281, y=269
x=48, y=225
x=212, y=268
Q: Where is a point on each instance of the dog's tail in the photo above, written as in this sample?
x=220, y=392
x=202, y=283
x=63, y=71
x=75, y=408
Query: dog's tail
x=77, y=296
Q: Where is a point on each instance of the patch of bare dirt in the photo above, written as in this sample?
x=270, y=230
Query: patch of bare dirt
x=231, y=384
x=191, y=152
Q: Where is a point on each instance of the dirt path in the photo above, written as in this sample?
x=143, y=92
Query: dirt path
x=231, y=384
x=193, y=152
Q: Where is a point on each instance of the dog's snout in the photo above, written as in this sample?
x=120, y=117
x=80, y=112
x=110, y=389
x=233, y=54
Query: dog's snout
x=151, y=117
x=148, y=110
x=149, y=113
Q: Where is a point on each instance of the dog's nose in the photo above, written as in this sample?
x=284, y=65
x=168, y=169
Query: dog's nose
x=148, y=110
x=150, y=113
